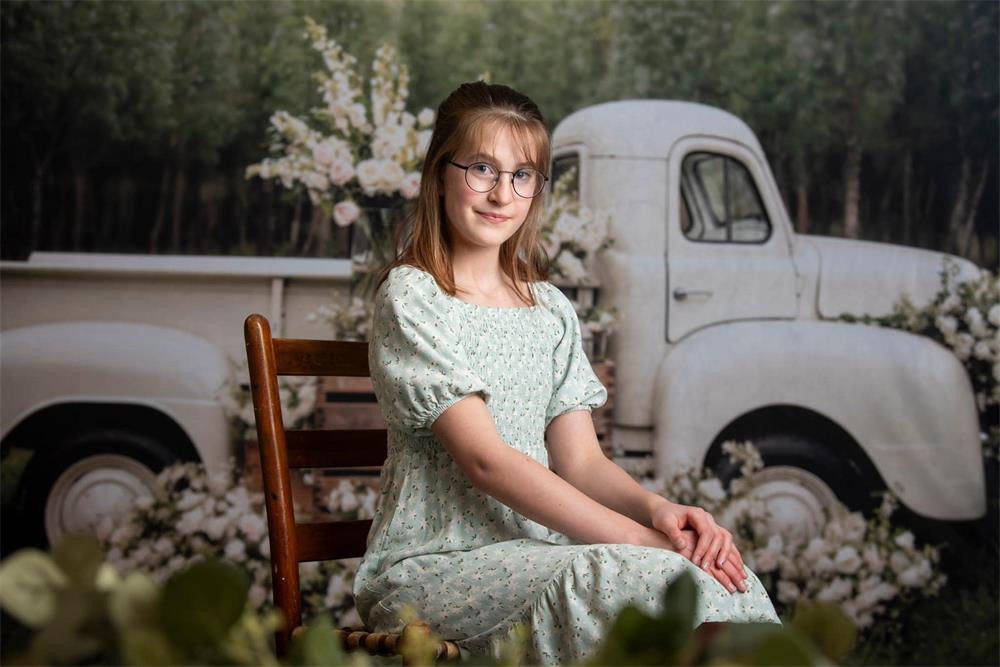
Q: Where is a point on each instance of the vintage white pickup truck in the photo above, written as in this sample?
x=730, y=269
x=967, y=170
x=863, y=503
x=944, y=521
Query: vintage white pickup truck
x=110, y=364
x=730, y=330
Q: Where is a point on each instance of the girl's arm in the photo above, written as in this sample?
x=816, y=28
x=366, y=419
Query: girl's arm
x=576, y=456
x=467, y=431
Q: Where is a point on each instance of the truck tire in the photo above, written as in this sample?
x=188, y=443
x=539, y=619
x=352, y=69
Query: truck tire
x=85, y=477
x=804, y=483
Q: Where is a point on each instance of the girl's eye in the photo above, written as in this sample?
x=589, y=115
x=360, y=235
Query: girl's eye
x=482, y=169
x=523, y=175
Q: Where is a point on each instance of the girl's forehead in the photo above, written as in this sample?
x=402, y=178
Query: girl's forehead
x=493, y=140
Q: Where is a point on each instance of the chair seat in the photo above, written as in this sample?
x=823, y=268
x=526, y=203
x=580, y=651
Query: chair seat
x=388, y=643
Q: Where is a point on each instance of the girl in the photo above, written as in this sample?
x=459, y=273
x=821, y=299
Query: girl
x=497, y=505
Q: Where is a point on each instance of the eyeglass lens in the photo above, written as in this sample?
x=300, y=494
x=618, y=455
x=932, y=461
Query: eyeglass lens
x=483, y=177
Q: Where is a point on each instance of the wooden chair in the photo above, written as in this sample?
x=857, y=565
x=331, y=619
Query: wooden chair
x=280, y=449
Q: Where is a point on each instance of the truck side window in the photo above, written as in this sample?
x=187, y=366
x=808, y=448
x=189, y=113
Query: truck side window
x=566, y=174
x=720, y=201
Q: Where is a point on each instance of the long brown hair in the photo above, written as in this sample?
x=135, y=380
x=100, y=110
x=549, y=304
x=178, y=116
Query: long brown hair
x=463, y=119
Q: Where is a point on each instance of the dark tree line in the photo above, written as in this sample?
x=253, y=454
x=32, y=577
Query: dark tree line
x=127, y=126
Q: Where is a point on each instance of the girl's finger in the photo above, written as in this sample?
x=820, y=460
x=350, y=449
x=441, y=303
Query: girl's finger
x=723, y=578
x=711, y=557
x=736, y=575
x=727, y=545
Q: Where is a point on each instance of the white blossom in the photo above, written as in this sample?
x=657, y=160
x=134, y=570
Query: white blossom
x=848, y=560
x=236, y=550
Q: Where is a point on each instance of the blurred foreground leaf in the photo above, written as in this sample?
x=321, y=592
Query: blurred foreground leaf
x=29, y=585
x=199, y=605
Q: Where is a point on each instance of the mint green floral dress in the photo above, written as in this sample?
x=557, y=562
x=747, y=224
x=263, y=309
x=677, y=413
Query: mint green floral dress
x=468, y=564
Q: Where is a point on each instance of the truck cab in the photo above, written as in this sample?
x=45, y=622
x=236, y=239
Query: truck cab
x=730, y=325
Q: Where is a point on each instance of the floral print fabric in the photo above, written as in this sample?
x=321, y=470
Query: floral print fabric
x=468, y=564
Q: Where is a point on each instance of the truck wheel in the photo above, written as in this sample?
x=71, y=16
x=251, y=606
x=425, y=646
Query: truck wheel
x=803, y=484
x=87, y=477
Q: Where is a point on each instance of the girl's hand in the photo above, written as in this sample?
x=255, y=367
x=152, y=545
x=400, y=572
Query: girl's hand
x=693, y=530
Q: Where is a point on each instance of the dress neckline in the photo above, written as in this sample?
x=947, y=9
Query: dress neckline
x=537, y=305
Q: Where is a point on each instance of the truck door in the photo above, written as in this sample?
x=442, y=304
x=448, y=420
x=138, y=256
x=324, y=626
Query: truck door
x=728, y=250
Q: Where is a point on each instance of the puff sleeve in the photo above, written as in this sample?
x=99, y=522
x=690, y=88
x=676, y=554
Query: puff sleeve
x=418, y=364
x=574, y=384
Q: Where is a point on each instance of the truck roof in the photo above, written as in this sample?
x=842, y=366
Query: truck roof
x=647, y=128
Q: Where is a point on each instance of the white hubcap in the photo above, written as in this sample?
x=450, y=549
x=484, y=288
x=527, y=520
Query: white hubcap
x=799, y=503
x=93, y=488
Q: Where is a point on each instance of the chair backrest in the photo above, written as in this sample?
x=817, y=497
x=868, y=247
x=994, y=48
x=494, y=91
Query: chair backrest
x=280, y=449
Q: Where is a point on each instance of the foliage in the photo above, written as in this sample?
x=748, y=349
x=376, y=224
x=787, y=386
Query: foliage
x=866, y=567
x=964, y=316
x=196, y=515
x=82, y=610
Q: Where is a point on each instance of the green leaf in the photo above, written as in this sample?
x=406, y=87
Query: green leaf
x=199, y=605
x=146, y=646
x=30, y=582
x=827, y=626
x=318, y=645
x=80, y=556
x=133, y=604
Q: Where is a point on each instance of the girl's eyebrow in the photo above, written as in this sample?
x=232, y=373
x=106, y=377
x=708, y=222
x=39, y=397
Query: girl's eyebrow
x=493, y=160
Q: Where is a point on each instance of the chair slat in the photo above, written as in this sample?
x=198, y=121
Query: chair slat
x=332, y=540
x=326, y=449
x=294, y=356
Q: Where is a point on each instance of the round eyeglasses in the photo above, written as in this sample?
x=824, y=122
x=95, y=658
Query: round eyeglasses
x=483, y=177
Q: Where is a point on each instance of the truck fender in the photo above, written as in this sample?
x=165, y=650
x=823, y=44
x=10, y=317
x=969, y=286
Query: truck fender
x=905, y=399
x=173, y=371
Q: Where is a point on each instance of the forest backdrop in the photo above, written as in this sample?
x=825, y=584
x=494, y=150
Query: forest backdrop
x=127, y=126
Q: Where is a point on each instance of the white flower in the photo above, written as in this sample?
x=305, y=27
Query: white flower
x=143, y=502
x=346, y=212
x=425, y=117
x=253, y=527
x=993, y=317
x=368, y=175
x=265, y=548
x=190, y=522
x=854, y=527
x=711, y=489
x=899, y=561
x=788, y=591
x=816, y=548
x=835, y=591
x=257, y=595
x=982, y=351
x=236, y=550
x=847, y=560
x=952, y=302
x=341, y=171
x=904, y=540
x=873, y=559
x=190, y=500
x=337, y=591
x=324, y=153
x=409, y=187
x=962, y=344
x=977, y=327
x=917, y=574
x=423, y=141
x=215, y=527
x=947, y=325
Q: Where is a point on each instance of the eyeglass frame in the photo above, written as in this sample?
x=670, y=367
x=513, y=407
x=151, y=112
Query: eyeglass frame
x=545, y=179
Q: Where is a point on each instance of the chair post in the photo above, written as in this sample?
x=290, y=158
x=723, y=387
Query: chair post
x=277, y=481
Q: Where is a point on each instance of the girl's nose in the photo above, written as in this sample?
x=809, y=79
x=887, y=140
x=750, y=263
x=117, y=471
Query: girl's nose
x=503, y=191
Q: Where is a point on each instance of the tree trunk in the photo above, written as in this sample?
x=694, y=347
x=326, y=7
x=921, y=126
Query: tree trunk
x=79, y=206
x=36, y=207
x=958, y=209
x=969, y=223
x=126, y=211
x=293, y=235
x=852, y=187
x=177, y=214
x=209, y=194
x=802, y=221
x=161, y=211
x=907, y=213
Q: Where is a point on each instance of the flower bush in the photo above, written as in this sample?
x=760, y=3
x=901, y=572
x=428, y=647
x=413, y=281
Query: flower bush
x=964, y=316
x=297, y=395
x=348, y=319
x=196, y=515
x=572, y=234
x=864, y=566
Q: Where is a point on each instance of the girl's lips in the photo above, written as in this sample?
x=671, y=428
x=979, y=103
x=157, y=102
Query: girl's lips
x=493, y=218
